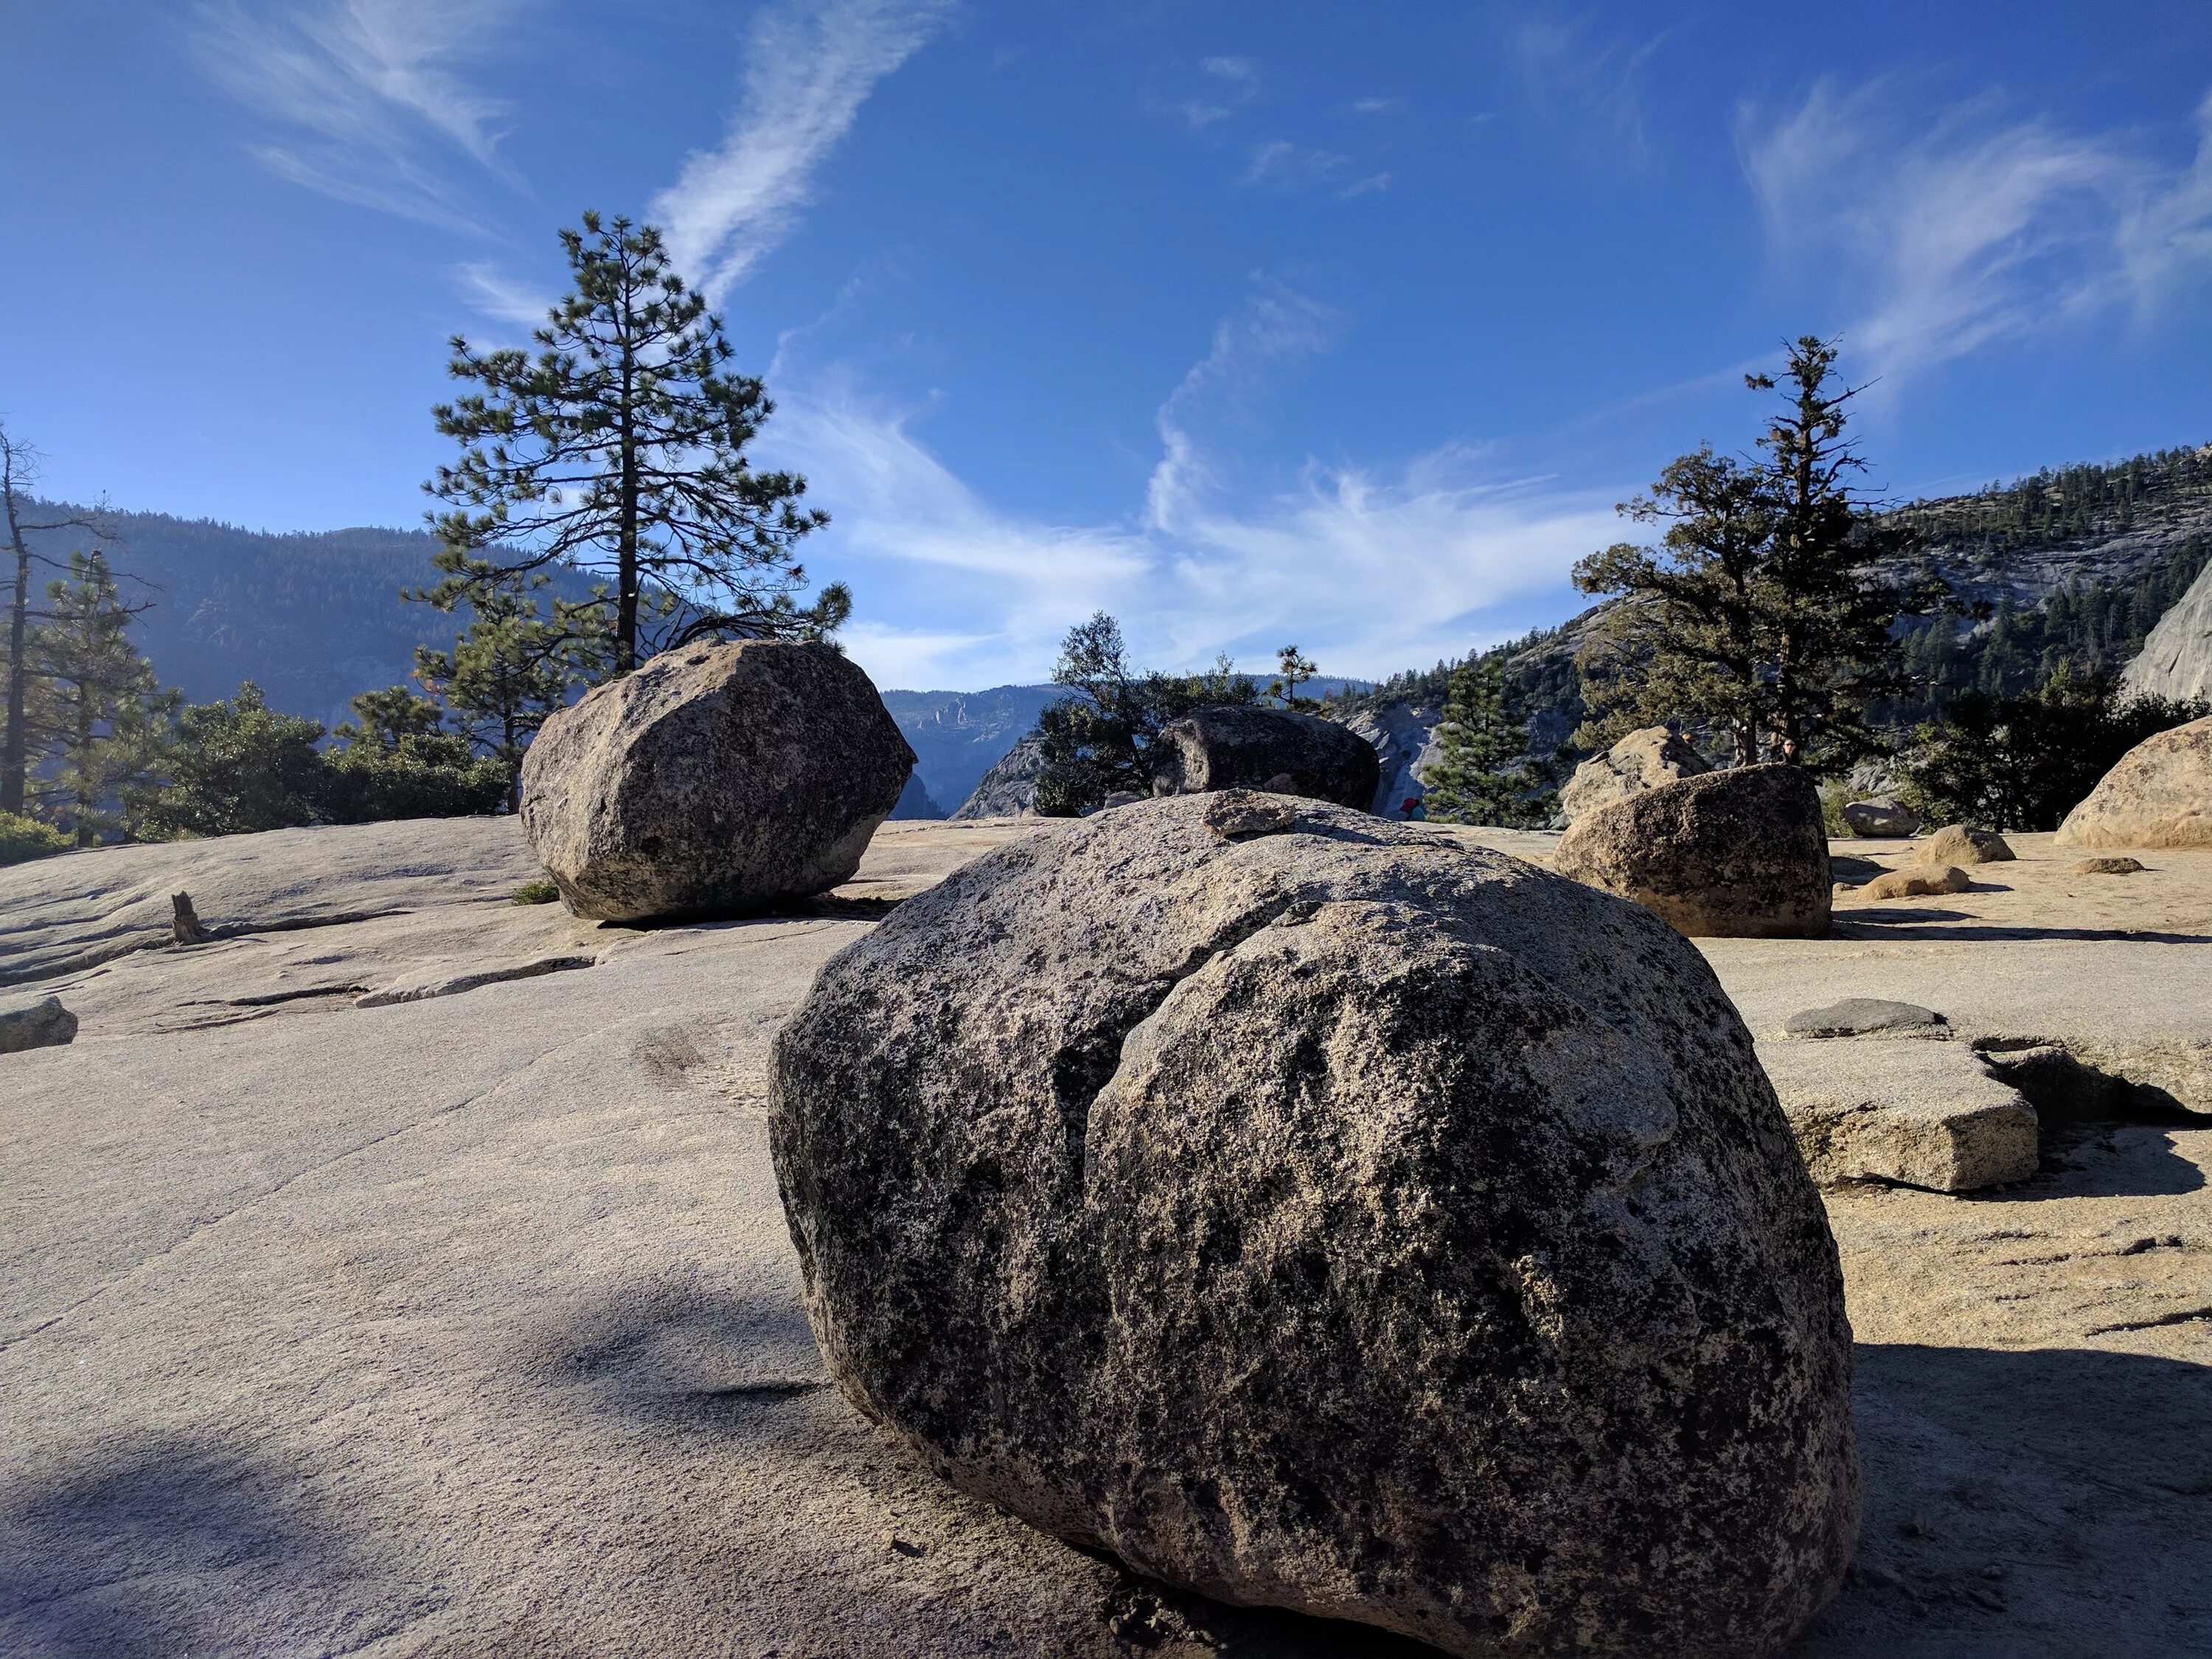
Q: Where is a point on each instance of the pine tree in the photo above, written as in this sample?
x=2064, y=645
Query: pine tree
x=513, y=667
x=100, y=710
x=1292, y=669
x=19, y=472
x=1482, y=775
x=620, y=450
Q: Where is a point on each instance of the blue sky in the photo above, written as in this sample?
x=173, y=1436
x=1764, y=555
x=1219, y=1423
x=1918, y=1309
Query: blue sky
x=1335, y=323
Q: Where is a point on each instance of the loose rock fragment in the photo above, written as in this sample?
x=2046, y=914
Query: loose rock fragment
x=34, y=1022
x=1865, y=1017
x=1643, y=760
x=2108, y=866
x=1917, y=881
x=1922, y=1114
x=1960, y=843
x=184, y=924
x=1335, y=1220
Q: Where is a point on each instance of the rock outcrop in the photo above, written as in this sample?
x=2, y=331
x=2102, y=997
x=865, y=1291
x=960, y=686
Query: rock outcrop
x=2176, y=659
x=1287, y=753
x=1402, y=734
x=1317, y=1214
x=34, y=1022
x=718, y=781
x=1881, y=819
x=1643, y=760
x=1916, y=1112
x=2160, y=794
x=1009, y=789
x=1961, y=843
x=1742, y=853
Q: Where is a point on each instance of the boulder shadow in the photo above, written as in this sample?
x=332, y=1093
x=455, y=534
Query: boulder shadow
x=2045, y=1503
x=677, y=1353
x=165, y=1545
x=1910, y=924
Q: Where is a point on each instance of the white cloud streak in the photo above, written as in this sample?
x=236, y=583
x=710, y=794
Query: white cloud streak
x=1370, y=569
x=499, y=296
x=1970, y=229
x=808, y=69
x=371, y=92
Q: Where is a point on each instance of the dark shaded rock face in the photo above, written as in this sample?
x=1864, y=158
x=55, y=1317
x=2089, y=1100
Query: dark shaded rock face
x=716, y=781
x=1230, y=747
x=1730, y=854
x=1317, y=1214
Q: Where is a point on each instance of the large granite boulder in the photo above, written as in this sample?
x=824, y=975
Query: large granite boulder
x=1643, y=760
x=2160, y=794
x=1315, y=1213
x=1961, y=843
x=1885, y=817
x=1231, y=747
x=1738, y=855
x=715, y=780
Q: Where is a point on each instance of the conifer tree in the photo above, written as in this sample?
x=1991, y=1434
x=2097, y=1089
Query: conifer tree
x=1482, y=775
x=512, y=667
x=619, y=449
x=1292, y=668
x=19, y=472
x=100, y=709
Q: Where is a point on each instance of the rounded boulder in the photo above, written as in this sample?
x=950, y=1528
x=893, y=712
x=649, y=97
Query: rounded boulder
x=716, y=781
x=1233, y=746
x=1317, y=1214
x=2159, y=795
x=1735, y=854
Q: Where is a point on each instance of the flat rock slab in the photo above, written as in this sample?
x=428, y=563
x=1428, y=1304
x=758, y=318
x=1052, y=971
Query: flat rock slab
x=1864, y=1017
x=455, y=981
x=1923, y=1113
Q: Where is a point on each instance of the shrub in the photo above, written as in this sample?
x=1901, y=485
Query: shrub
x=536, y=892
x=24, y=839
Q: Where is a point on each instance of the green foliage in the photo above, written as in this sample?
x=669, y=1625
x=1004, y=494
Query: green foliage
x=2023, y=763
x=513, y=667
x=240, y=766
x=1099, y=739
x=2073, y=504
x=536, y=892
x=1483, y=774
x=22, y=839
x=619, y=450
x=1292, y=669
x=1760, y=614
x=101, y=716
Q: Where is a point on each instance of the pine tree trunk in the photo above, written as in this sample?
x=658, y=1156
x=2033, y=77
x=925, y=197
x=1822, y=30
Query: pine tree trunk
x=14, y=746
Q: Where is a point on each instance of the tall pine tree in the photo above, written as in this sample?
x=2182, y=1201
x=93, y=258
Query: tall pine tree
x=1483, y=774
x=619, y=449
x=99, y=714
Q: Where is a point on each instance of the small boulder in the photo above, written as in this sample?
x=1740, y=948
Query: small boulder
x=2160, y=794
x=34, y=1022
x=1727, y=854
x=1879, y=818
x=1643, y=760
x=2109, y=865
x=716, y=781
x=1230, y=746
x=1919, y=1114
x=1328, y=1217
x=1917, y=881
x=1959, y=844
x=1865, y=1017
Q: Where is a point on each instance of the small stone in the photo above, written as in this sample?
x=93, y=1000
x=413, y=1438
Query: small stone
x=34, y=1022
x=2108, y=867
x=1864, y=1017
x=185, y=924
x=1248, y=812
x=1919, y=882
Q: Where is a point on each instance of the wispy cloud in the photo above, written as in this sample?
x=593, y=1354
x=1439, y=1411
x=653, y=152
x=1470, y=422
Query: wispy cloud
x=1414, y=557
x=1569, y=64
x=1970, y=228
x=370, y=94
x=808, y=69
x=1378, y=105
x=497, y=295
x=1235, y=82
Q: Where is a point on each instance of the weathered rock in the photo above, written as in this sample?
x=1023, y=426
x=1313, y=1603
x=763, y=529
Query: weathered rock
x=1334, y=1219
x=717, y=781
x=1121, y=798
x=1960, y=843
x=34, y=1023
x=1233, y=747
x=2160, y=794
x=186, y=926
x=2176, y=659
x=1865, y=1017
x=2108, y=866
x=1925, y=1114
x=1009, y=789
x=1876, y=819
x=1643, y=760
x=447, y=981
x=1729, y=854
x=1917, y=881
